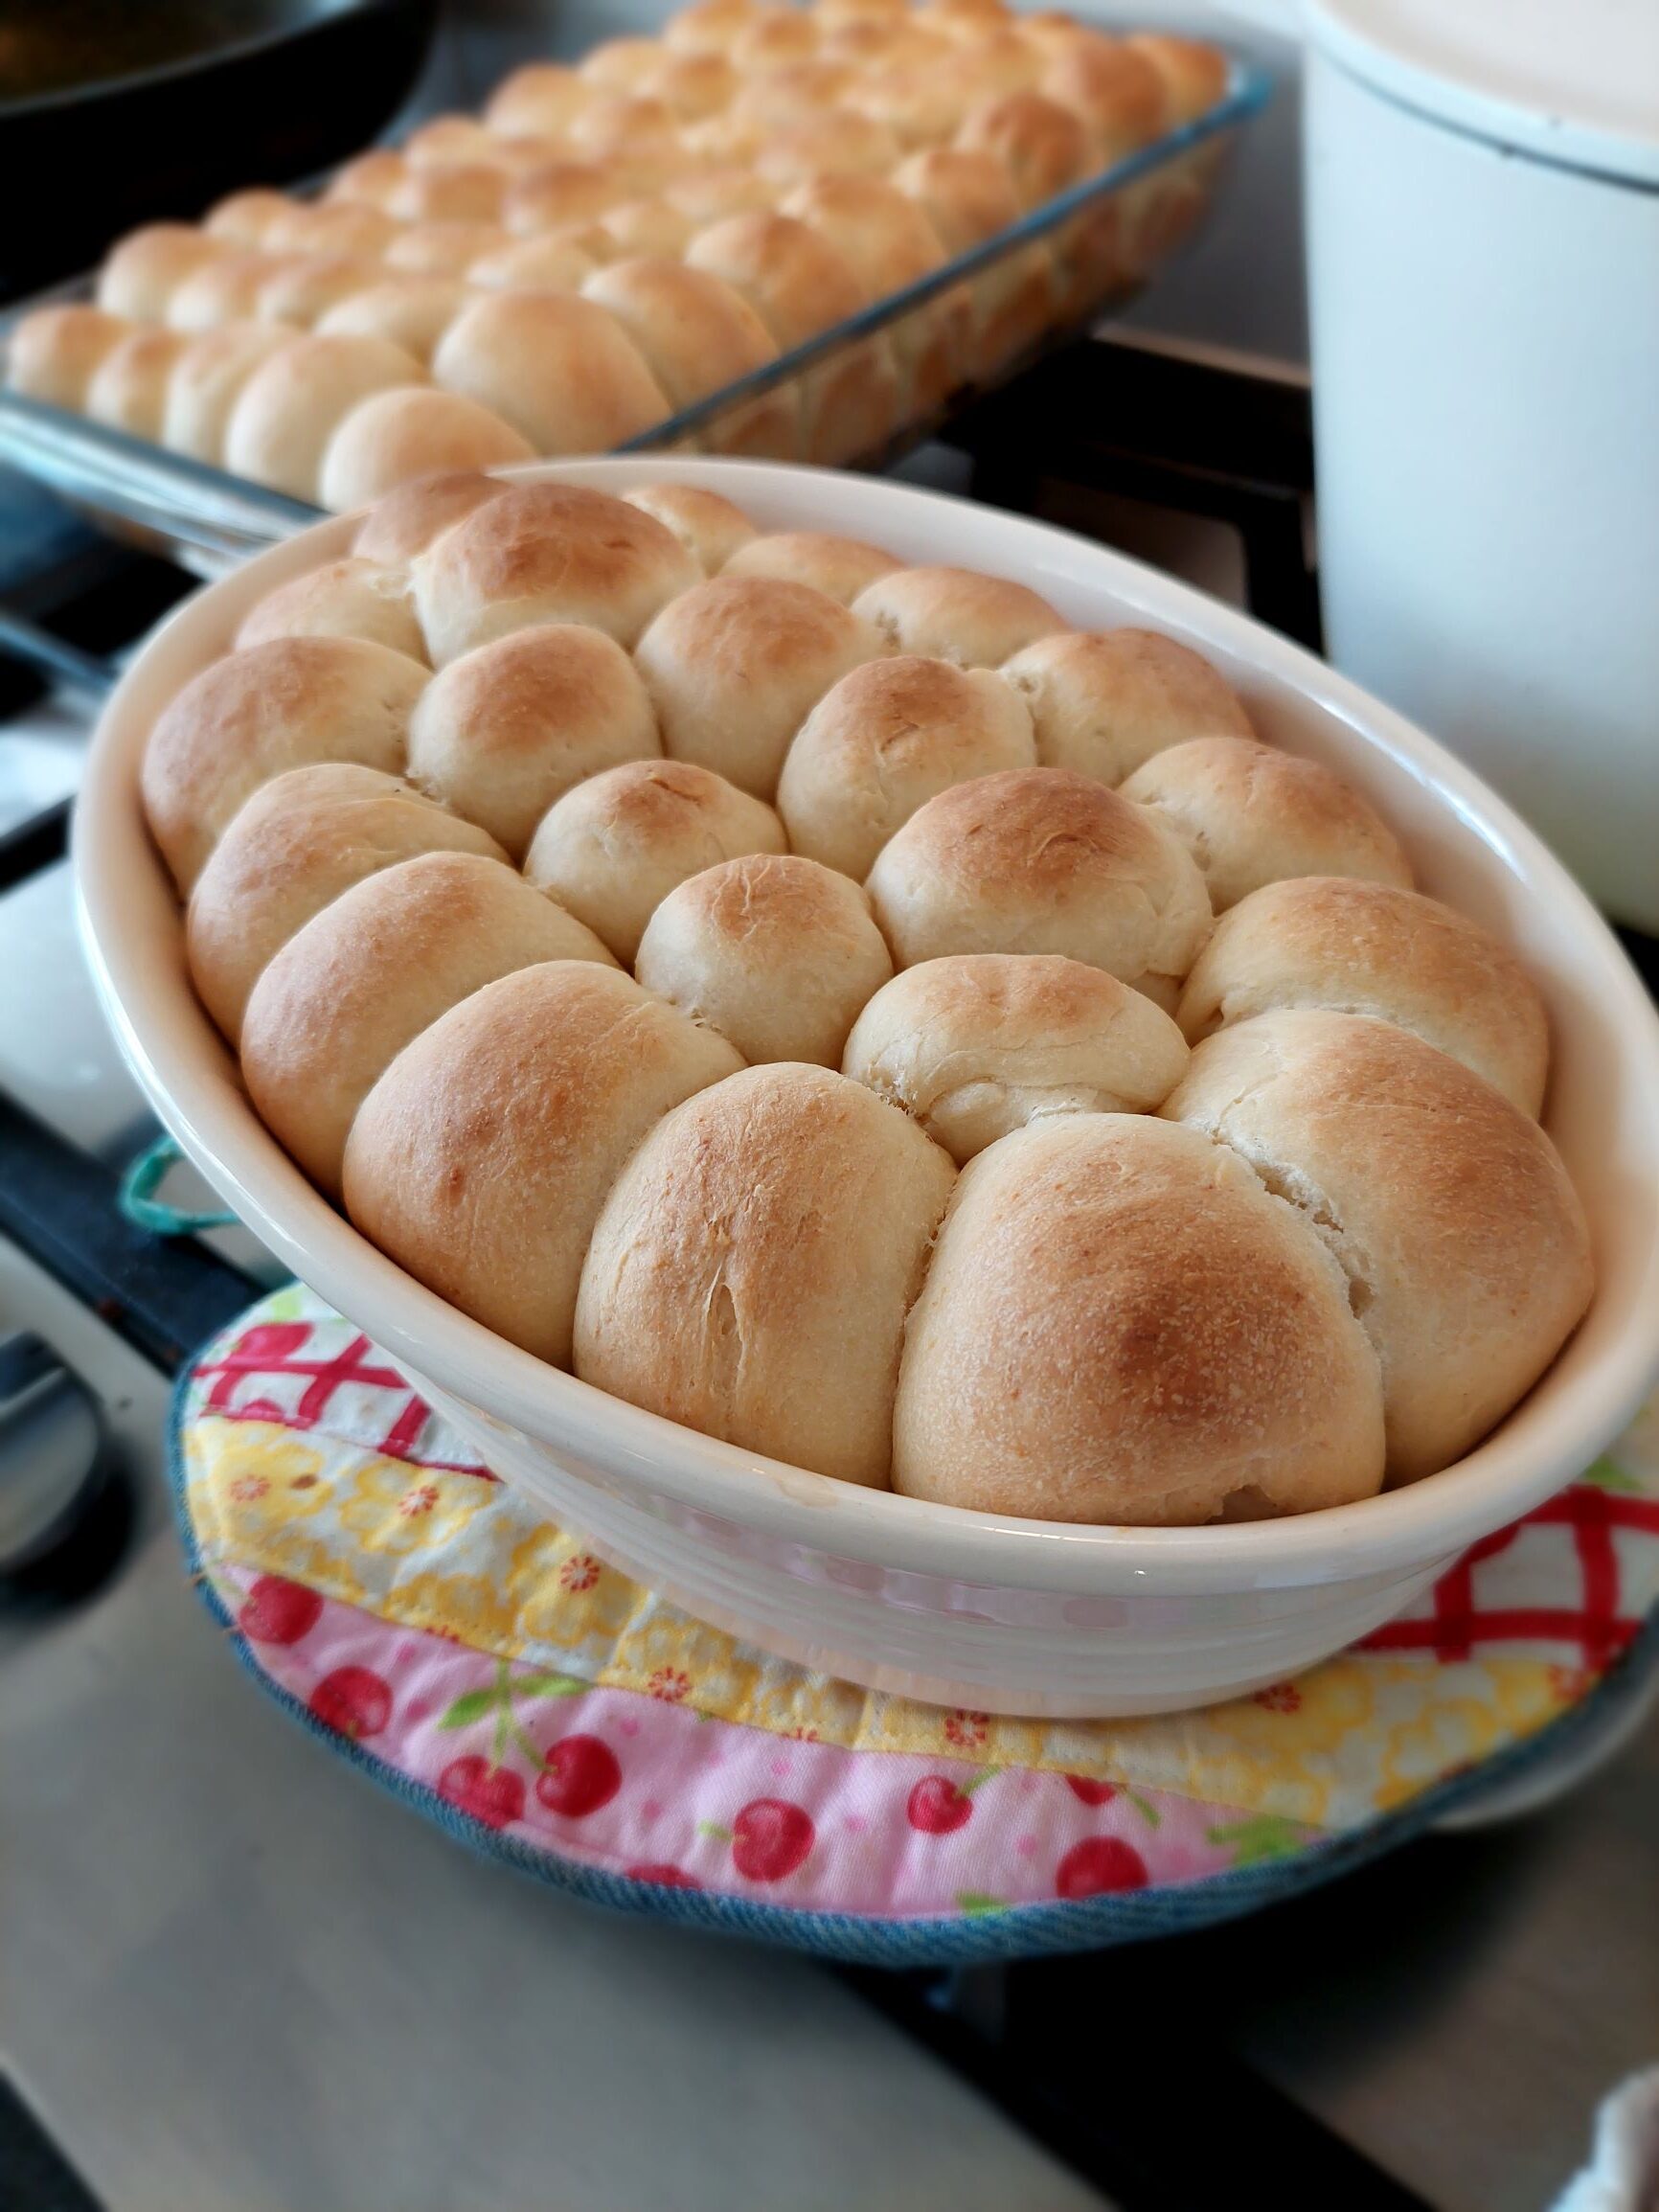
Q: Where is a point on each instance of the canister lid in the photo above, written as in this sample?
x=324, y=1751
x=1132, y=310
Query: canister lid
x=1573, y=81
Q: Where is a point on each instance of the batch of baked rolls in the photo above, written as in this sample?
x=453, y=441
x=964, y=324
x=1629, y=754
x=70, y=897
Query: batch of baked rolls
x=836, y=1005
x=611, y=243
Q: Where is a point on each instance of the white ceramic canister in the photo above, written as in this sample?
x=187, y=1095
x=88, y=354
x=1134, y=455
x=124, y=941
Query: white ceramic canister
x=1482, y=222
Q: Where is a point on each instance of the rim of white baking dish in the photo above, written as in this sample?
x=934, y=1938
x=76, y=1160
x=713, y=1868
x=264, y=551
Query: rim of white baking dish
x=191, y=1081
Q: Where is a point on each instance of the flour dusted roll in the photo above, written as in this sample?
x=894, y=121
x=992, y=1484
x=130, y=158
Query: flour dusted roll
x=364, y=977
x=128, y=388
x=1362, y=948
x=247, y=718
x=612, y=849
x=736, y=664
x=751, y=1271
x=712, y=529
x=956, y=614
x=408, y=433
x=482, y=1157
x=1464, y=1244
x=142, y=273
x=302, y=291
x=502, y=732
x=411, y=311
x=292, y=404
x=800, y=285
x=541, y=101
x=1253, y=814
x=1103, y=701
x=348, y=597
x=300, y=841
x=547, y=552
x=406, y=521
x=54, y=352
x=1043, y=860
x=774, y=951
x=558, y=367
x=1121, y=1326
x=883, y=742
x=840, y=567
x=979, y=1046
x=205, y=382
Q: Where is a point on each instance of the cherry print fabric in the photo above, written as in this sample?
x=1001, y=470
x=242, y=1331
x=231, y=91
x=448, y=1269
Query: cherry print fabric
x=428, y=1624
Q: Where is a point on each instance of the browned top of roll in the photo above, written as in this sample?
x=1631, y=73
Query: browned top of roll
x=795, y=280
x=956, y=614
x=710, y=527
x=406, y=521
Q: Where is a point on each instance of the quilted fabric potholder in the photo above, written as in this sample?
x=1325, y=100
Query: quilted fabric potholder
x=488, y=1667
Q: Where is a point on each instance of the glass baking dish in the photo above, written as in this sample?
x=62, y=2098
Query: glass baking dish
x=1099, y=242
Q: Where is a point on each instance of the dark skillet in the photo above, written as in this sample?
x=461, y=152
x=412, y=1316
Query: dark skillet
x=117, y=112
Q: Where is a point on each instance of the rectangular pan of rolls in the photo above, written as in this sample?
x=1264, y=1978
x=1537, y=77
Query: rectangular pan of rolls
x=776, y=232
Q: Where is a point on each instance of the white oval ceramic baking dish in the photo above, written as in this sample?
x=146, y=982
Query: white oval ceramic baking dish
x=1005, y=1615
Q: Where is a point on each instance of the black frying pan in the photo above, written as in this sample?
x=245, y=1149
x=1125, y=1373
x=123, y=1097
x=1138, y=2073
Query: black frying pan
x=117, y=112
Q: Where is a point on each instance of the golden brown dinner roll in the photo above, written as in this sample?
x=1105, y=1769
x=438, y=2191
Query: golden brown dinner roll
x=655, y=228
x=712, y=529
x=467, y=192
x=1124, y=1330
x=708, y=196
x=409, y=433
x=413, y=313
x=53, y=353
x=1114, y=92
x=1103, y=701
x=443, y=141
x=505, y=730
x=956, y=614
x=338, y=227
x=801, y=92
x=799, y=284
x=751, y=1271
x=612, y=849
x=1253, y=814
x=141, y=273
x=976, y=1046
x=734, y=665
x=708, y=26
x=373, y=177
x=245, y=718
x=406, y=521
x=840, y=567
x=636, y=138
x=693, y=85
x=835, y=14
x=364, y=977
x=774, y=951
x=302, y=289
x=539, y=101
x=128, y=388
x=1043, y=860
x=347, y=598
x=300, y=841
x=1464, y=1244
x=968, y=197
x=620, y=64
x=547, y=552
x=838, y=142
x=206, y=381
x=1044, y=147
x=1194, y=74
x=886, y=739
x=482, y=1157
x=772, y=38
x=443, y=249
x=558, y=369
x=921, y=105
x=560, y=193
x=550, y=261
x=1362, y=948
x=231, y=290
x=243, y=217
x=696, y=335
x=291, y=406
